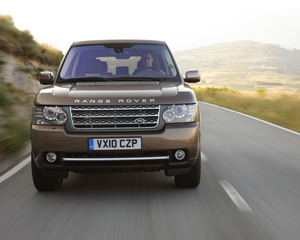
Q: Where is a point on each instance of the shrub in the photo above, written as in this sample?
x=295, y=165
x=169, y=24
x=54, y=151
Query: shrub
x=14, y=130
x=6, y=99
x=22, y=44
x=14, y=137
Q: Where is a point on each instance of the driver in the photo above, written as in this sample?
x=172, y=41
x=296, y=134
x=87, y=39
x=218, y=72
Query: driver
x=147, y=63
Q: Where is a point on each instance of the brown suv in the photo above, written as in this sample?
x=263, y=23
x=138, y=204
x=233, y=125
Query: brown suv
x=116, y=106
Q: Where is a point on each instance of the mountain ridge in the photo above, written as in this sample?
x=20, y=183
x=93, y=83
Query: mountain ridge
x=227, y=64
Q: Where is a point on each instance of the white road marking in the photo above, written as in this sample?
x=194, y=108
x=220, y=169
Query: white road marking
x=14, y=170
x=204, y=158
x=272, y=124
x=235, y=196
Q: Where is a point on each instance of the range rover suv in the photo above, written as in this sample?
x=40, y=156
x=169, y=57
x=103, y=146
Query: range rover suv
x=116, y=106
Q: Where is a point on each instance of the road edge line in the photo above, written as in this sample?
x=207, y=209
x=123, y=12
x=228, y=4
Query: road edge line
x=15, y=169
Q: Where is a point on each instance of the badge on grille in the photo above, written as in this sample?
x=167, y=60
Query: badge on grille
x=140, y=120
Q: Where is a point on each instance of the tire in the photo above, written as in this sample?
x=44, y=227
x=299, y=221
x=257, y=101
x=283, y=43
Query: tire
x=43, y=183
x=192, y=178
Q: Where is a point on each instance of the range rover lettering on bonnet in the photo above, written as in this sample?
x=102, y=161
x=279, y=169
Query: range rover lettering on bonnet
x=91, y=101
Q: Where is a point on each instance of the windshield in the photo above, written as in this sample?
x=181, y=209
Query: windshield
x=111, y=62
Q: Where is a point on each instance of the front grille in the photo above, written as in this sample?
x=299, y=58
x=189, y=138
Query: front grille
x=117, y=117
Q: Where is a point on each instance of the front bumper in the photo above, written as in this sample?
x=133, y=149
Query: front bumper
x=157, y=153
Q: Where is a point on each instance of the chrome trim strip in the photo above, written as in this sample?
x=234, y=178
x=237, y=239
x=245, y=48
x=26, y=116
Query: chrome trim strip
x=117, y=159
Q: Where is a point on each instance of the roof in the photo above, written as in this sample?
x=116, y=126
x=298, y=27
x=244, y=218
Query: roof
x=126, y=41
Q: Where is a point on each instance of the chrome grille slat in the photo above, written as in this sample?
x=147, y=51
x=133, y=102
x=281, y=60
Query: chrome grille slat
x=118, y=158
x=120, y=117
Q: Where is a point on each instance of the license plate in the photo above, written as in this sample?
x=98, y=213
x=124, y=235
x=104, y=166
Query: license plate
x=115, y=143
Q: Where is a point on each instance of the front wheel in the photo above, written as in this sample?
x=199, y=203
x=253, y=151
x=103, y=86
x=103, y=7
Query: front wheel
x=43, y=183
x=192, y=178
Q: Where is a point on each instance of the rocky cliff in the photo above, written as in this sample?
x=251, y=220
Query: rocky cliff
x=22, y=74
x=18, y=86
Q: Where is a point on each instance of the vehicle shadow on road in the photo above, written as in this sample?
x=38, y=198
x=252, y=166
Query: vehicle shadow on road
x=118, y=182
x=119, y=187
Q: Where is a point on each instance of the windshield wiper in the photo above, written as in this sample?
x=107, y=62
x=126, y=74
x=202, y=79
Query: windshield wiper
x=135, y=79
x=85, y=79
x=110, y=79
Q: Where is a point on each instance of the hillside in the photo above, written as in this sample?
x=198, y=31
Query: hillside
x=21, y=60
x=244, y=65
x=22, y=44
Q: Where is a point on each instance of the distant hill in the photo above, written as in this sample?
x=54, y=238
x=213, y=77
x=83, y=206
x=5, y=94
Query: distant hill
x=244, y=65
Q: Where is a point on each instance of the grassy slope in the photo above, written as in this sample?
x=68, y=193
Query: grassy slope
x=22, y=44
x=282, y=110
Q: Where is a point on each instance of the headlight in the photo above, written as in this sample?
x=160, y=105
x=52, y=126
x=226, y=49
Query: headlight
x=48, y=115
x=180, y=113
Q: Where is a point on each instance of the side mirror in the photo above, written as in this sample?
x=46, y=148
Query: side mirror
x=192, y=76
x=46, y=78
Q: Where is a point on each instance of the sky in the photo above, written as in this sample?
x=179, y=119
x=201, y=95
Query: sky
x=182, y=24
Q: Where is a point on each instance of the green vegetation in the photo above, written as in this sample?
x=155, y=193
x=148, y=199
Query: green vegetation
x=282, y=110
x=14, y=118
x=15, y=136
x=22, y=44
x=15, y=104
x=5, y=99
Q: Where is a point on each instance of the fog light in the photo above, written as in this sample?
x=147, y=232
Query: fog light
x=179, y=154
x=51, y=157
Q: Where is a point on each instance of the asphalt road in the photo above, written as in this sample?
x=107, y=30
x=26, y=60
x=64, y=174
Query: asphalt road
x=249, y=190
